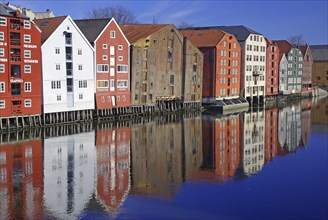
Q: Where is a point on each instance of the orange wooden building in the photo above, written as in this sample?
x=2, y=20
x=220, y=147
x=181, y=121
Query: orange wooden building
x=20, y=65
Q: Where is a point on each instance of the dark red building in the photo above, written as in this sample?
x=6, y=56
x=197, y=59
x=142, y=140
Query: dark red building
x=20, y=65
x=272, y=69
x=271, y=141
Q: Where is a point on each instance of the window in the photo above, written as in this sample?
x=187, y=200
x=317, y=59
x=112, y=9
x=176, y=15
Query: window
x=112, y=61
x=108, y=99
x=2, y=103
x=104, y=46
x=27, y=68
x=112, y=71
x=3, y=21
x=118, y=98
x=28, y=86
x=2, y=36
x=80, y=96
x=102, y=98
x=57, y=50
x=112, y=50
x=55, y=84
x=120, y=58
x=122, y=84
x=120, y=47
x=27, y=25
x=112, y=34
x=80, y=67
x=2, y=87
x=27, y=38
x=102, y=83
x=83, y=83
x=58, y=97
x=57, y=66
x=27, y=54
x=122, y=68
x=2, y=68
x=79, y=52
x=102, y=68
x=318, y=77
x=2, y=52
x=224, y=43
x=104, y=57
x=28, y=103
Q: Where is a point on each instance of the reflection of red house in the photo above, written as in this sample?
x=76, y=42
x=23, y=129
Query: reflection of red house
x=271, y=141
x=306, y=106
x=221, y=138
x=113, y=167
x=21, y=180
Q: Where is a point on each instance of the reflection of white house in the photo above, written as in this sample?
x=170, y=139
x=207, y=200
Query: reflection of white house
x=290, y=127
x=69, y=164
x=253, y=152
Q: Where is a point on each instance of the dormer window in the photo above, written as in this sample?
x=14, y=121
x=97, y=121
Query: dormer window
x=112, y=34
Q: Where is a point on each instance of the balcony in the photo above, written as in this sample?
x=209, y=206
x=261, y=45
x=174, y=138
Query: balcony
x=15, y=89
x=257, y=73
x=15, y=71
x=14, y=42
x=15, y=55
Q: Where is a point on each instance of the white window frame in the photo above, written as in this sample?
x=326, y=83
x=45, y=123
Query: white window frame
x=104, y=46
x=27, y=38
x=120, y=71
x=2, y=68
x=120, y=58
x=2, y=35
x=27, y=54
x=57, y=50
x=80, y=96
x=112, y=34
x=58, y=97
x=27, y=68
x=104, y=57
x=57, y=66
x=79, y=52
x=2, y=85
x=112, y=71
x=120, y=47
x=3, y=21
x=80, y=67
x=112, y=61
x=98, y=81
x=28, y=103
x=103, y=67
x=2, y=52
x=27, y=25
x=2, y=104
x=28, y=86
x=122, y=86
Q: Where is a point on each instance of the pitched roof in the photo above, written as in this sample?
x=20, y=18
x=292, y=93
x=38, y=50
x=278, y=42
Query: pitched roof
x=91, y=28
x=204, y=38
x=135, y=32
x=303, y=49
x=284, y=47
x=319, y=52
x=241, y=32
x=48, y=26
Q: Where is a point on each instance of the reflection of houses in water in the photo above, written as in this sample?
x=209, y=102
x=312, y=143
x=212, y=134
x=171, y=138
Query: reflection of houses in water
x=252, y=132
x=112, y=167
x=221, y=147
x=69, y=166
x=164, y=154
x=305, y=121
x=271, y=134
x=21, y=186
x=289, y=128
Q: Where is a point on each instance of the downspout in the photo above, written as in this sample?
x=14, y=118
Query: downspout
x=184, y=54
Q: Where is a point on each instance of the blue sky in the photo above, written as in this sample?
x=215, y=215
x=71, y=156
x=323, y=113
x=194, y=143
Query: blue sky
x=275, y=19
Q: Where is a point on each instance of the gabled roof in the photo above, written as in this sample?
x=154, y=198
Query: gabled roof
x=92, y=28
x=204, y=38
x=241, y=32
x=135, y=32
x=284, y=47
x=319, y=52
x=48, y=26
x=303, y=49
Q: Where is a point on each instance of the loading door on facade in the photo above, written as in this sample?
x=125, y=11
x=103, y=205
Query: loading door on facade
x=113, y=100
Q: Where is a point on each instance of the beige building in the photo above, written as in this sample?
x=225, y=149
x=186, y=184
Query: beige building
x=320, y=65
x=29, y=13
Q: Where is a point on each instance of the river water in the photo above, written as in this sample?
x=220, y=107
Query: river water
x=263, y=164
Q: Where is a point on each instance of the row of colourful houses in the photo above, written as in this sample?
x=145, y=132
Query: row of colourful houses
x=70, y=70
